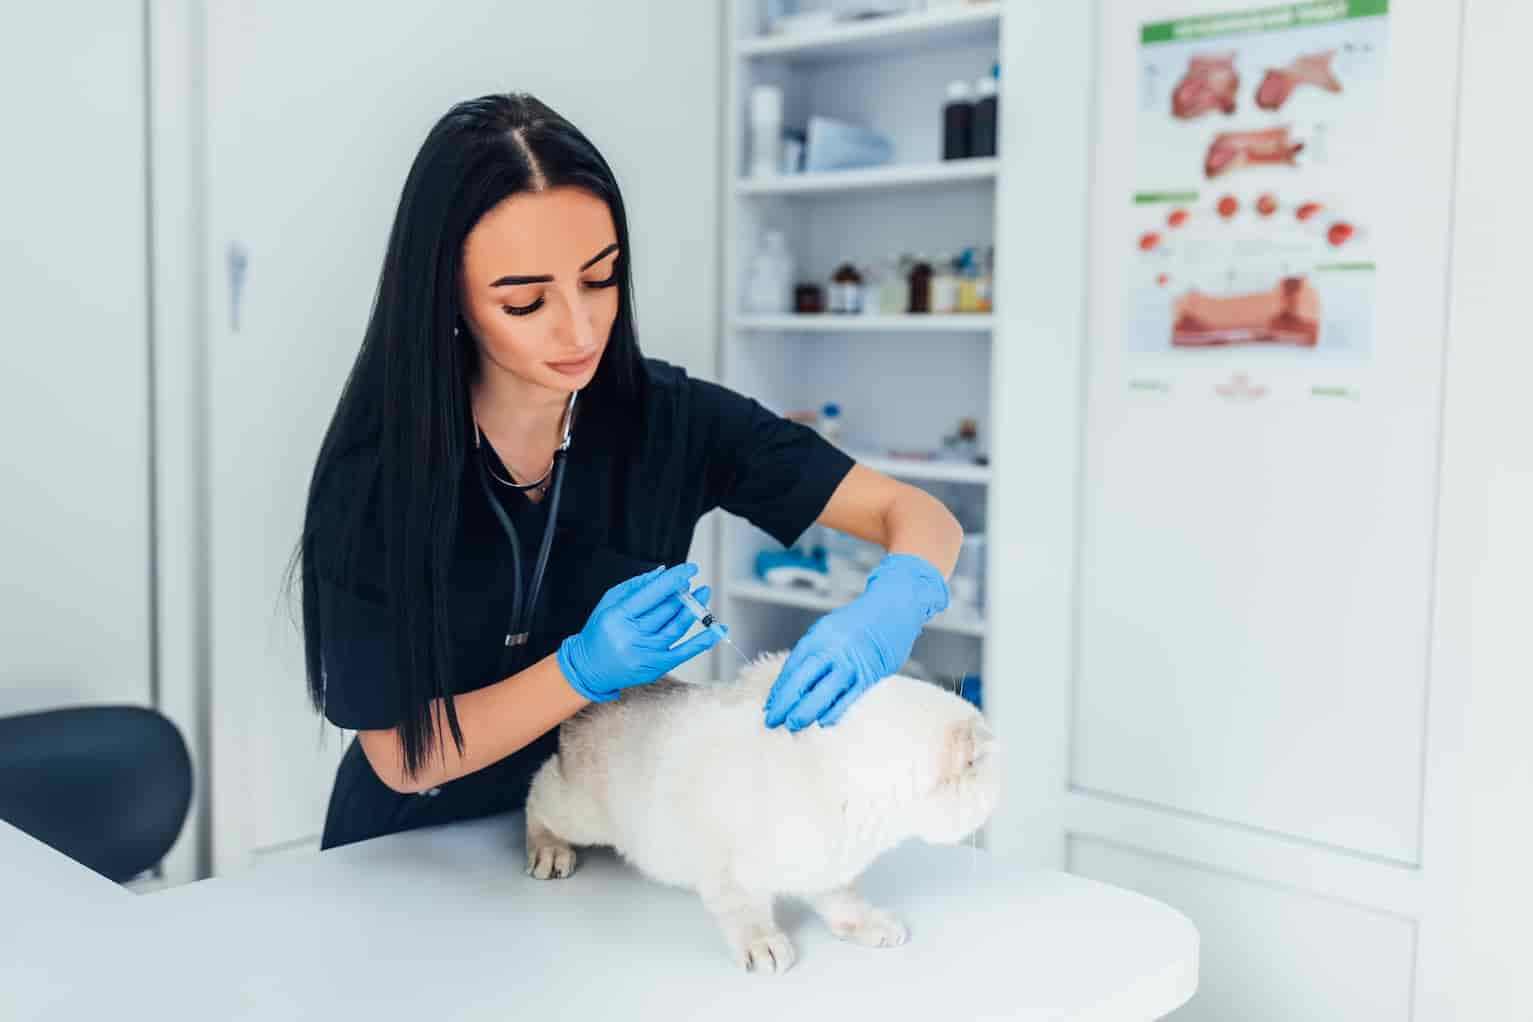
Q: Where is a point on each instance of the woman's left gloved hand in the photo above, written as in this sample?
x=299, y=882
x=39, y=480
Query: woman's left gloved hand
x=852, y=647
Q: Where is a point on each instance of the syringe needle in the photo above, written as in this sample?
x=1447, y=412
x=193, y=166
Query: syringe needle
x=705, y=616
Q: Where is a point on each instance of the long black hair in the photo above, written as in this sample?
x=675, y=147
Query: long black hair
x=404, y=411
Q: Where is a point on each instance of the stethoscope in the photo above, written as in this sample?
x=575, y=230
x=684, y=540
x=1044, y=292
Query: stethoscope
x=520, y=624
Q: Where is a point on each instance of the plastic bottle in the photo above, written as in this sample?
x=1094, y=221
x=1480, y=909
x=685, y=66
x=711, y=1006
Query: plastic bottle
x=983, y=130
x=769, y=289
x=944, y=287
x=894, y=296
x=985, y=284
x=830, y=422
x=766, y=131
x=957, y=120
x=873, y=288
x=968, y=281
x=920, y=285
x=968, y=441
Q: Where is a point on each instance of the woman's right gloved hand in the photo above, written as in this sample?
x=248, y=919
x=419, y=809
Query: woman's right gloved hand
x=628, y=638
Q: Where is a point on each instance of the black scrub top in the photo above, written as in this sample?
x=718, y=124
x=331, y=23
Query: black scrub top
x=637, y=480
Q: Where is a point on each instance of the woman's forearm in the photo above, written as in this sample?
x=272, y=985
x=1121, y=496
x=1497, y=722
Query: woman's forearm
x=901, y=518
x=496, y=721
x=918, y=523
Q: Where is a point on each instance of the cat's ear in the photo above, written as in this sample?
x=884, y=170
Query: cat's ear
x=965, y=746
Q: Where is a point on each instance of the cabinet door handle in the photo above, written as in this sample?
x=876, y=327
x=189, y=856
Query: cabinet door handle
x=239, y=260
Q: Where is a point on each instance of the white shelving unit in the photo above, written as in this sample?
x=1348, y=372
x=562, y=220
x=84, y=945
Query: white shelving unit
x=902, y=381
x=827, y=324
x=903, y=33
x=930, y=471
x=959, y=621
x=926, y=175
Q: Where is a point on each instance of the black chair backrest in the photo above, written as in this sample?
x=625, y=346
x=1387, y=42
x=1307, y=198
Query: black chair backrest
x=109, y=786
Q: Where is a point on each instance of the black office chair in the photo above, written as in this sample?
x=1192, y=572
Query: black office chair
x=109, y=786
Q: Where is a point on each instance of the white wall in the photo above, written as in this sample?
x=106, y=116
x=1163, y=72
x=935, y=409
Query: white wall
x=75, y=603
x=1480, y=788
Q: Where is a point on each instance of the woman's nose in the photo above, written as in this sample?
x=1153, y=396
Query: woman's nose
x=574, y=327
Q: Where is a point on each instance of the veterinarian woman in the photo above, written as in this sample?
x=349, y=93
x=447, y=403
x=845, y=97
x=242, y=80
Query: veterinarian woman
x=504, y=499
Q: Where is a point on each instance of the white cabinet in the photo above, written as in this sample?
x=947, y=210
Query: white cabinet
x=76, y=604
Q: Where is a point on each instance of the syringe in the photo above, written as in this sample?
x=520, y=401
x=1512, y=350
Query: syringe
x=707, y=620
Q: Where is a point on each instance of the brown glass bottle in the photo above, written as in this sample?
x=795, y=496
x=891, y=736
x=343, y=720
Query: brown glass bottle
x=808, y=299
x=921, y=285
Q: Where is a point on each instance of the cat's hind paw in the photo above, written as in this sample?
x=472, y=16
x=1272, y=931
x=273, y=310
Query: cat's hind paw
x=873, y=927
x=765, y=951
x=550, y=859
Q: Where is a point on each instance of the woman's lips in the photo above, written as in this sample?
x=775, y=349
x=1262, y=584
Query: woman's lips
x=577, y=367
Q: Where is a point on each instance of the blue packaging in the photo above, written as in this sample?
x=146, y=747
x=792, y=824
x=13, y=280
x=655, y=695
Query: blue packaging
x=837, y=145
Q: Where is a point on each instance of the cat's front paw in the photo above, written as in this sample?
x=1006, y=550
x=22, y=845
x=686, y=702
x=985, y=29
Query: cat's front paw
x=873, y=927
x=550, y=859
x=767, y=951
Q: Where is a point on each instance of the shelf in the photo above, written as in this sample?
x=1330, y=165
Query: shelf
x=900, y=33
x=828, y=323
x=978, y=169
x=959, y=622
x=931, y=471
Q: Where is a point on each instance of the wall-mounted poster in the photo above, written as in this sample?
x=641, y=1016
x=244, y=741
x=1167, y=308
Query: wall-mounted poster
x=1257, y=162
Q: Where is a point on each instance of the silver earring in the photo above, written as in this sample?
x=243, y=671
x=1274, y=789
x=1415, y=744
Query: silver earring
x=455, y=331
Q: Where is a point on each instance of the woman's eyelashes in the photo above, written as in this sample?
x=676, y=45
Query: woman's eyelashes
x=524, y=310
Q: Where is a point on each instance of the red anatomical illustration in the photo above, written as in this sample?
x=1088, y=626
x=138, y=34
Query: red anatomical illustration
x=1279, y=83
x=1209, y=84
x=1288, y=314
x=1232, y=150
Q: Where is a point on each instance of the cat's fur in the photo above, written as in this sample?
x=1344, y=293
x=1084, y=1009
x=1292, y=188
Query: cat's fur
x=687, y=783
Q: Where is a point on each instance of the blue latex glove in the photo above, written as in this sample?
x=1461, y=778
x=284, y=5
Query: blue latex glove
x=852, y=647
x=628, y=638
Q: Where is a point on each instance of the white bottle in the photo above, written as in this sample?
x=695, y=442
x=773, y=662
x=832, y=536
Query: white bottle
x=830, y=422
x=769, y=288
x=766, y=131
x=944, y=287
x=872, y=287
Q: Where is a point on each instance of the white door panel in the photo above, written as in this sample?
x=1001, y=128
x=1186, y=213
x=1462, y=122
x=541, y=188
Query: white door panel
x=315, y=112
x=1218, y=615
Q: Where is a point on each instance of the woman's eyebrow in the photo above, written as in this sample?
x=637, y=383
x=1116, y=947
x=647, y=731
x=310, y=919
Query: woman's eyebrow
x=544, y=278
x=598, y=257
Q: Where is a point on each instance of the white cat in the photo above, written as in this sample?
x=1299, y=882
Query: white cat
x=687, y=783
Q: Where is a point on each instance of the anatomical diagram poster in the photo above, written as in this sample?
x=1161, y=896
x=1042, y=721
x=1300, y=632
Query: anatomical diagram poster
x=1256, y=186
